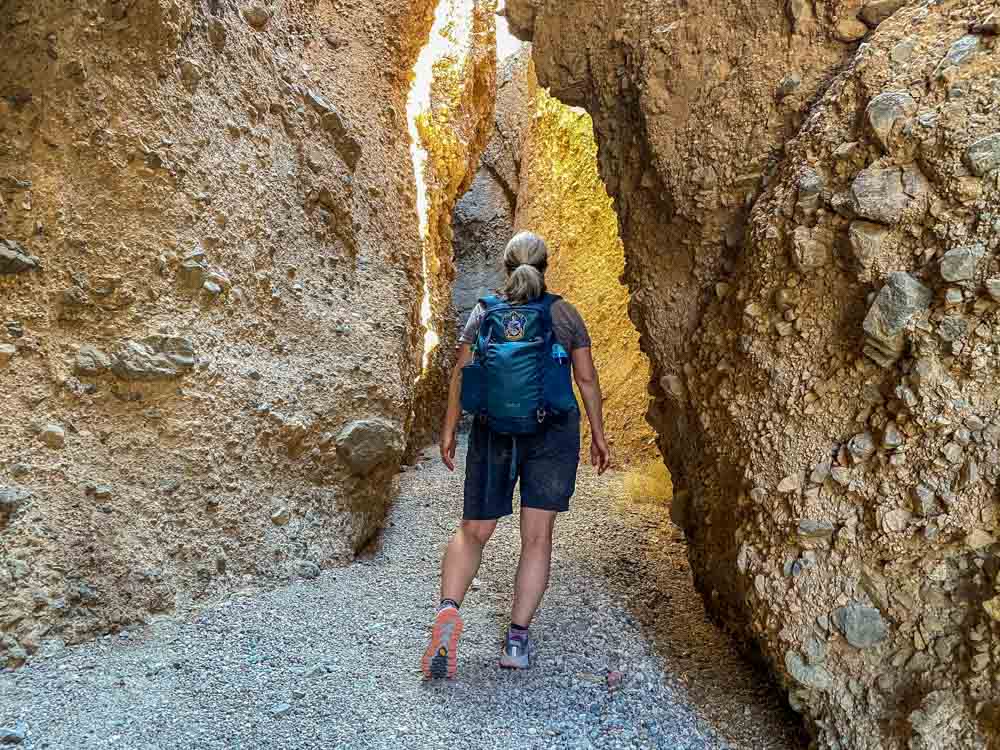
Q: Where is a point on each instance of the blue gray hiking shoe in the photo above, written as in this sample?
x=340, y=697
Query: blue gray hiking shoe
x=516, y=652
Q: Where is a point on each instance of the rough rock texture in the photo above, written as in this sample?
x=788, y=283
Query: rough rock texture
x=209, y=267
x=840, y=499
x=454, y=134
x=483, y=219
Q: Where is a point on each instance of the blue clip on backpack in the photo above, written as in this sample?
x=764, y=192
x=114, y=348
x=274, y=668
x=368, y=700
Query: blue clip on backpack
x=519, y=375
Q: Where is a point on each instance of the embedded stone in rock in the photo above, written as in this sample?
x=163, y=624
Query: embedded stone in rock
x=899, y=300
x=983, y=156
x=862, y=626
x=866, y=241
x=7, y=352
x=347, y=146
x=861, y=447
x=960, y=264
x=12, y=498
x=924, y=501
x=154, y=358
x=878, y=195
x=849, y=29
x=15, y=259
x=993, y=289
x=257, y=16
x=91, y=361
x=281, y=516
x=886, y=110
x=53, y=436
x=790, y=483
x=192, y=273
x=896, y=520
x=813, y=248
x=366, y=444
x=877, y=11
x=307, y=569
x=816, y=677
x=810, y=528
x=960, y=53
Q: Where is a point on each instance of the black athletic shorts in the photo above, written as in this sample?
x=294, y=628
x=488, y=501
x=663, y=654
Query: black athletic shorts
x=546, y=464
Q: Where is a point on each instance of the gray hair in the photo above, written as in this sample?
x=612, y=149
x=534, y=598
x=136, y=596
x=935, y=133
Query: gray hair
x=525, y=261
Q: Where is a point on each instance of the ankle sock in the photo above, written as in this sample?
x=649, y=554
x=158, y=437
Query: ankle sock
x=447, y=603
x=515, y=628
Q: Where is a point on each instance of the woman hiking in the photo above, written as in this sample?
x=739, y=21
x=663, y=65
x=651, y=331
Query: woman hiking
x=514, y=359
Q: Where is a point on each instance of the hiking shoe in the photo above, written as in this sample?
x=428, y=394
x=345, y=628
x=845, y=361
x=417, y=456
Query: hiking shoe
x=516, y=653
x=441, y=657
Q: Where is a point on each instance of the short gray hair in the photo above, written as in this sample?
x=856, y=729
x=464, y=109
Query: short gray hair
x=525, y=261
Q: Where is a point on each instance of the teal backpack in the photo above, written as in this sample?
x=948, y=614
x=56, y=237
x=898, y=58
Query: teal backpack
x=519, y=376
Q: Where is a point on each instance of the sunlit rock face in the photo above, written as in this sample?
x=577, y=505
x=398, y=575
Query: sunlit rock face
x=210, y=276
x=451, y=106
x=808, y=200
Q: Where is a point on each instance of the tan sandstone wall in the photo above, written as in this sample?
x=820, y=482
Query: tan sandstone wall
x=209, y=288
x=808, y=195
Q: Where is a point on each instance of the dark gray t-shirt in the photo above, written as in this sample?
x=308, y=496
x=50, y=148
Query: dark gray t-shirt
x=567, y=324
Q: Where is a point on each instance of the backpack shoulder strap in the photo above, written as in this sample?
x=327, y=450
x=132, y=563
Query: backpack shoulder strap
x=546, y=303
x=491, y=301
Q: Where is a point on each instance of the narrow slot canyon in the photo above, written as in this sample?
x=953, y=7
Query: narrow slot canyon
x=238, y=241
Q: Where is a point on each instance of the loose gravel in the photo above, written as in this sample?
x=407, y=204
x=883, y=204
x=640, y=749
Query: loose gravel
x=626, y=657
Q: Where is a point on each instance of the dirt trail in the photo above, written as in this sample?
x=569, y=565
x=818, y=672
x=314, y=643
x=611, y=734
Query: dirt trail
x=626, y=657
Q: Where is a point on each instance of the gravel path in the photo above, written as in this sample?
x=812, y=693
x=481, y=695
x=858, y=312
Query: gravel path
x=333, y=663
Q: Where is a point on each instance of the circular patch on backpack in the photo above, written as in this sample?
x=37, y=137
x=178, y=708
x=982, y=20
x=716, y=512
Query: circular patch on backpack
x=513, y=326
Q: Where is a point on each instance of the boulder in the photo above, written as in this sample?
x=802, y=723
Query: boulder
x=862, y=626
x=960, y=263
x=883, y=195
x=867, y=240
x=983, y=156
x=886, y=110
x=367, y=444
x=877, y=11
x=257, y=15
x=91, y=361
x=900, y=299
x=815, y=677
x=154, y=358
x=15, y=259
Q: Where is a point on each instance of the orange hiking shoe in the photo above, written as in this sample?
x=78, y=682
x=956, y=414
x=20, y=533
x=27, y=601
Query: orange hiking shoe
x=441, y=657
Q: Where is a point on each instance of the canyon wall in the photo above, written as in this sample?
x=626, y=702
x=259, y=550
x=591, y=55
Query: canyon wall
x=454, y=133
x=209, y=286
x=809, y=198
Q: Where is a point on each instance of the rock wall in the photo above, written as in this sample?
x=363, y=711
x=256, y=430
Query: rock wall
x=808, y=195
x=483, y=219
x=454, y=133
x=209, y=255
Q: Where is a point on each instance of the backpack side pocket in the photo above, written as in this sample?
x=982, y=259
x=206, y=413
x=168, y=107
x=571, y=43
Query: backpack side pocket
x=559, y=394
x=473, y=398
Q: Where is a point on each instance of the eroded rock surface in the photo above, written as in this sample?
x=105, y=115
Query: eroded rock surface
x=209, y=267
x=742, y=142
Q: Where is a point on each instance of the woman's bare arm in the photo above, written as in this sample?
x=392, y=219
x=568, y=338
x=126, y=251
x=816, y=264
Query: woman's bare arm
x=454, y=410
x=589, y=384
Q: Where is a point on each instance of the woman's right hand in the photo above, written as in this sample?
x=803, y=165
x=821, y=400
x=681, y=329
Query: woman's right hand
x=448, y=449
x=600, y=454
